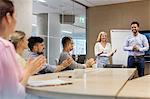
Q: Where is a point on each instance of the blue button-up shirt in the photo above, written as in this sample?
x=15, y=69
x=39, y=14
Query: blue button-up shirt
x=48, y=67
x=140, y=41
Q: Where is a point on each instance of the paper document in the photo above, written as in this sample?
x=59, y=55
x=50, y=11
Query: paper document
x=53, y=82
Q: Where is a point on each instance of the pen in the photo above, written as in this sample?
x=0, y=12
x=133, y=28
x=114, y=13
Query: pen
x=64, y=76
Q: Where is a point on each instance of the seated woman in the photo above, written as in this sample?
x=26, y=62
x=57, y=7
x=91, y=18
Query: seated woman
x=103, y=50
x=20, y=42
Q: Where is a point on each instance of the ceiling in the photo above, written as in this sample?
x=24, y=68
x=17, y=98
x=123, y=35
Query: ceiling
x=70, y=7
x=92, y=3
x=63, y=7
x=58, y=7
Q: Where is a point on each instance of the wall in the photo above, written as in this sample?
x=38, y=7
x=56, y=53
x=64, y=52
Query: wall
x=116, y=16
x=24, y=15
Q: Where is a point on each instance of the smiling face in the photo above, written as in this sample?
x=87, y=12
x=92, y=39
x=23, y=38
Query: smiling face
x=104, y=37
x=39, y=48
x=135, y=29
x=70, y=45
x=23, y=43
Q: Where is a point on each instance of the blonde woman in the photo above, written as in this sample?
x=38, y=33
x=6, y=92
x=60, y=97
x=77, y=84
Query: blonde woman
x=103, y=50
x=20, y=42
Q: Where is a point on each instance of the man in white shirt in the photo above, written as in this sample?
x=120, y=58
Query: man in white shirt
x=136, y=45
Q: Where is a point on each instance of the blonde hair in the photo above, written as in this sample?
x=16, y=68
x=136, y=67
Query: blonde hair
x=99, y=36
x=16, y=37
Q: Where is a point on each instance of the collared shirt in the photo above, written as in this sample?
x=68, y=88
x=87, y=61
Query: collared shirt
x=65, y=55
x=11, y=72
x=140, y=41
x=48, y=68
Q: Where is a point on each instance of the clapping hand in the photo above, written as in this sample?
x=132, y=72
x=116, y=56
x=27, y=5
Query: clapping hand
x=113, y=51
x=35, y=65
x=135, y=48
x=67, y=62
x=101, y=52
x=90, y=62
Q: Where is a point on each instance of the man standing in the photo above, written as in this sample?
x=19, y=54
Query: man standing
x=136, y=45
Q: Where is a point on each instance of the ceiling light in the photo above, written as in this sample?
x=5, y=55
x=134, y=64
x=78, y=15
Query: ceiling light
x=34, y=25
x=68, y=32
x=41, y=0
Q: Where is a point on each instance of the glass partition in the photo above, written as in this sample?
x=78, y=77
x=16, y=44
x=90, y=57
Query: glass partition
x=54, y=19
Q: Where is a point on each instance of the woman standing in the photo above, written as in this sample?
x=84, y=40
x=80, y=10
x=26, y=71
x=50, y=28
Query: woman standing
x=103, y=50
x=12, y=77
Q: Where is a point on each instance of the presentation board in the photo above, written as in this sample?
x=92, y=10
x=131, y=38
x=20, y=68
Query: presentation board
x=118, y=38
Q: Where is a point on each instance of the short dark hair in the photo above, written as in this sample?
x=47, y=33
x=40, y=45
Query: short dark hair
x=135, y=22
x=33, y=40
x=6, y=6
x=65, y=40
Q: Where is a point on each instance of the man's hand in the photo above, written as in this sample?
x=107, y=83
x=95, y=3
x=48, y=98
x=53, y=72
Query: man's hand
x=67, y=62
x=90, y=62
x=64, y=64
x=135, y=48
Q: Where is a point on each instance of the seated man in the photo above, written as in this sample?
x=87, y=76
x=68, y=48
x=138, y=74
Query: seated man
x=36, y=46
x=67, y=47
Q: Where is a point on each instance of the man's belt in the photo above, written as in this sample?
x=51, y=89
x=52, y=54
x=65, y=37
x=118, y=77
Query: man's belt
x=140, y=56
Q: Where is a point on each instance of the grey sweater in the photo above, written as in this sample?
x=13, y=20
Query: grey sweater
x=64, y=55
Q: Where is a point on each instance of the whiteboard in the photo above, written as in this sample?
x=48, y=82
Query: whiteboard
x=118, y=38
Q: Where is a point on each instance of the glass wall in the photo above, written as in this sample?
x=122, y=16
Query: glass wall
x=54, y=19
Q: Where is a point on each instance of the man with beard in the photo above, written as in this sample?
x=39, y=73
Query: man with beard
x=136, y=45
x=36, y=46
x=67, y=44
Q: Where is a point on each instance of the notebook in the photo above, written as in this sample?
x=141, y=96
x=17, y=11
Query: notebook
x=53, y=82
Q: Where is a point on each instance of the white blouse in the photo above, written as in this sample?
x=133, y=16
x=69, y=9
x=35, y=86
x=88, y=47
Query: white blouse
x=99, y=48
x=21, y=60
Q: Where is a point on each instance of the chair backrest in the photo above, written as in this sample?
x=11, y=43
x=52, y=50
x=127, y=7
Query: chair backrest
x=114, y=66
x=56, y=61
x=80, y=58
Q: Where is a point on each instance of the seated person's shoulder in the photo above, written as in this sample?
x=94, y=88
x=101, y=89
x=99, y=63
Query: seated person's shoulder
x=64, y=55
x=32, y=55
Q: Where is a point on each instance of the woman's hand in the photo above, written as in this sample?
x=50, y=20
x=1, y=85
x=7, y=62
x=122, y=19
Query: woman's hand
x=113, y=51
x=35, y=65
x=90, y=62
x=101, y=52
x=67, y=62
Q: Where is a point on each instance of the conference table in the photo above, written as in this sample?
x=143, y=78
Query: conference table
x=138, y=88
x=103, y=83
